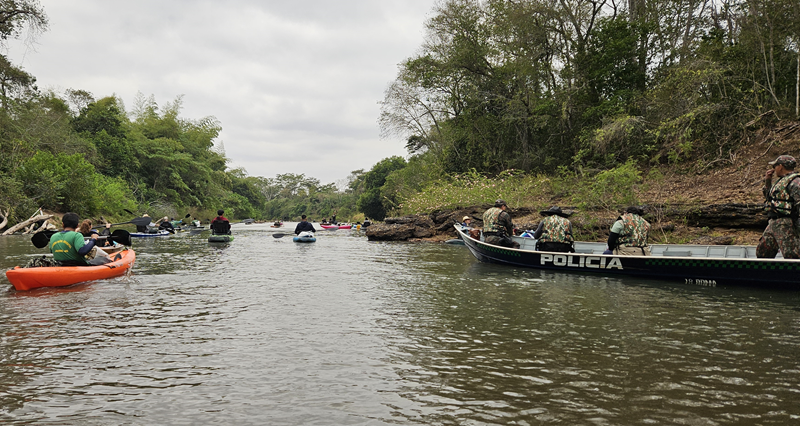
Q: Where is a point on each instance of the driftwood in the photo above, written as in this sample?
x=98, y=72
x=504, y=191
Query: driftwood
x=23, y=224
x=5, y=218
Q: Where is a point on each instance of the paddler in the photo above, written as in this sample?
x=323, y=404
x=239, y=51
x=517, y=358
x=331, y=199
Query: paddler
x=303, y=226
x=68, y=246
x=220, y=225
x=782, y=209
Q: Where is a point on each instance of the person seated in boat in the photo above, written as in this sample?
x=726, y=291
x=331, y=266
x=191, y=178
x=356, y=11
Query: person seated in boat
x=68, y=246
x=782, y=202
x=220, y=225
x=166, y=226
x=304, y=226
x=554, y=232
x=497, y=226
x=85, y=228
x=366, y=222
x=629, y=233
x=466, y=222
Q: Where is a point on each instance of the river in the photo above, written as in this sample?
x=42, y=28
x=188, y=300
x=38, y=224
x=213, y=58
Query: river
x=350, y=332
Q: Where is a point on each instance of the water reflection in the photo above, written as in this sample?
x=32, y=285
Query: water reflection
x=346, y=331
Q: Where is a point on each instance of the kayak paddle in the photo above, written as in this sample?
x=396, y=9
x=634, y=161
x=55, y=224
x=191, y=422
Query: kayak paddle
x=139, y=221
x=120, y=236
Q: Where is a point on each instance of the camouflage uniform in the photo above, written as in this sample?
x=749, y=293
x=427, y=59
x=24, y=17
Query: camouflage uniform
x=497, y=228
x=633, y=236
x=556, y=234
x=781, y=233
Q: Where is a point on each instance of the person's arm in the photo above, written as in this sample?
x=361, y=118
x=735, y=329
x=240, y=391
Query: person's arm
x=613, y=235
x=539, y=230
x=83, y=251
x=767, y=183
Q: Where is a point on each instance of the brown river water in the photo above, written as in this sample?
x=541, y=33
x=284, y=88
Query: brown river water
x=350, y=332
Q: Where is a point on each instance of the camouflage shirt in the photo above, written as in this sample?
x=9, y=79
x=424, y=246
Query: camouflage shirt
x=782, y=197
x=495, y=220
x=633, y=230
x=556, y=229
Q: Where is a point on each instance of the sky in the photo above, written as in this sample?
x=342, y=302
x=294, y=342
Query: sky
x=295, y=85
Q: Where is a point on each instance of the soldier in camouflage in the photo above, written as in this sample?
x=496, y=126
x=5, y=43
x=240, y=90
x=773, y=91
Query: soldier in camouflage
x=782, y=209
x=497, y=226
x=629, y=233
x=554, y=232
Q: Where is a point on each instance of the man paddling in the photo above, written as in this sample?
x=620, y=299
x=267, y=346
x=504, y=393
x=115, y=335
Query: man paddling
x=67, y=246
x=303, y=226
x=220, y=225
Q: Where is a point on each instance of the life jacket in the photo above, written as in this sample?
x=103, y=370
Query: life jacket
x=490, y=219
x=556, y=229
x=635, y=230
x=778, y=201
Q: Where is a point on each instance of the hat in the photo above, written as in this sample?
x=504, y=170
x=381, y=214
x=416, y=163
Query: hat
x=500, y=202
x=554, y=210
x=466, y=218
x=635, y=210
x=785, y=160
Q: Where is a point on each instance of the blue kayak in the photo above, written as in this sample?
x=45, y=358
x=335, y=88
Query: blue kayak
x=160, y=233
x=305, y=237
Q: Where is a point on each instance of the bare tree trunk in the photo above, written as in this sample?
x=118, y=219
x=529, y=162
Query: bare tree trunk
x=23, y=224
x=5, y=218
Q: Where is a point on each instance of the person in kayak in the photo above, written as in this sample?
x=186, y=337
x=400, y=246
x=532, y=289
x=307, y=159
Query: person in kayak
x=67, y=246
x=220, y=225
x=85, y=228
x=304, y=226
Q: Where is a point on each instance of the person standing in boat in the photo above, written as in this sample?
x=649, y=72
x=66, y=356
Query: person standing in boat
x=629, y=233
x=497, y=226
x=783, y=198
x=303, y=226
x=220, y=225
x=554, y=232
x=67, y=246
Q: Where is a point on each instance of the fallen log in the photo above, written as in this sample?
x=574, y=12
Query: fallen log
x=25, y=223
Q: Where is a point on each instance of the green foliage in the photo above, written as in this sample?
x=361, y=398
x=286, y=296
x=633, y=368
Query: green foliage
x=607, y=189
x=472, y=188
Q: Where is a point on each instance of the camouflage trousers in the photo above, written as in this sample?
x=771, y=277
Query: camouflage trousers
x=500, y=241
x=780, y=235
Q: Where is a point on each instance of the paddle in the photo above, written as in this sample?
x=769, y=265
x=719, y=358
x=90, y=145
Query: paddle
x=279, y=235
x=139, y=221
x=120, y=236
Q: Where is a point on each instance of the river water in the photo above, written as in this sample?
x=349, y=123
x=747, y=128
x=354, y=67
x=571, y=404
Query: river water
x=349, y=332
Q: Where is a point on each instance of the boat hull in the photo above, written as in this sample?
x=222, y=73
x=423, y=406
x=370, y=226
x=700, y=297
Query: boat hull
x=60, y=276
x=702, y=271
x=150, y=234
x=220, y=238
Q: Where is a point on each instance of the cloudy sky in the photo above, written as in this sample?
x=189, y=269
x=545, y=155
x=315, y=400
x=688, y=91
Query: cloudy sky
x=295, y=84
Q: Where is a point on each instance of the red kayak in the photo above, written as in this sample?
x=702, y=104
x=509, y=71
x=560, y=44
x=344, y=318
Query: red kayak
x=336, y=226
x=59, y=276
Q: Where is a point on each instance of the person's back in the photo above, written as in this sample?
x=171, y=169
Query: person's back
x=220, y=225
x=304, y=226
x=67, y=246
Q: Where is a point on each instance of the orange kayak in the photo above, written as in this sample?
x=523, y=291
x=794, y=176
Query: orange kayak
x=59, y=276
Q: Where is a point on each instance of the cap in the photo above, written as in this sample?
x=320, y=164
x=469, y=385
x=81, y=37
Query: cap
x=500, y=202
x=785, y=160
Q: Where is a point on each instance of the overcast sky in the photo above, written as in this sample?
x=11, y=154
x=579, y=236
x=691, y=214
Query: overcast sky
x=295, y=84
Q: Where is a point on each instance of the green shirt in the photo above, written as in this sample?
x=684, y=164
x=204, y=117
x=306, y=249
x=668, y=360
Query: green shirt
x=65, y=245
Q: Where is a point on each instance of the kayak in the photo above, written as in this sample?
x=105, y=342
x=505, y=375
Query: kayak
x=160, y=233
x=336, y=226
x=220, y=238
x=60, y=276
x=305, y=237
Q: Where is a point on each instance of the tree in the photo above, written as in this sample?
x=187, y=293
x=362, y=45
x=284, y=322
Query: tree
x=373, y=202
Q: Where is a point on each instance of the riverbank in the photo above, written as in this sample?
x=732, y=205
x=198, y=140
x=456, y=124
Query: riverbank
x=718, y=201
